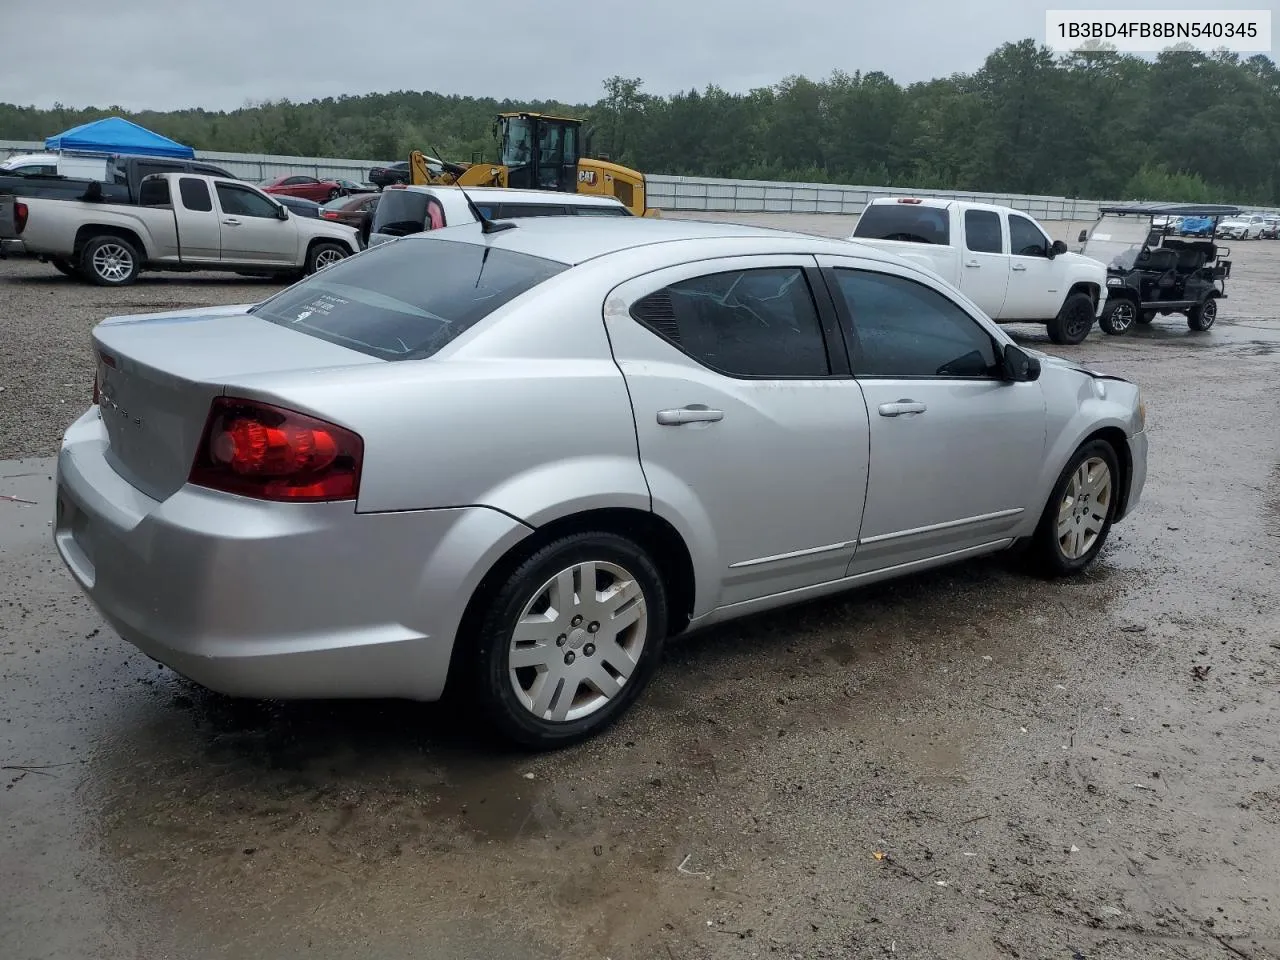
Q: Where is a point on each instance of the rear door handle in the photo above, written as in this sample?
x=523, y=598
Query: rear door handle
x=1019, y=266
x=972, y=263
x=694, y=413
x=901, y=408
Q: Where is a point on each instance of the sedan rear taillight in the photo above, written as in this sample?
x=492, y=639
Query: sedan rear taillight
x=259, y=450
x=20, y=213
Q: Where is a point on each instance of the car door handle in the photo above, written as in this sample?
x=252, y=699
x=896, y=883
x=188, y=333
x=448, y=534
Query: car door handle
x=1019, y=266
x=901, y=408
x=694, y=413
x=231, y=221
x=972, y=263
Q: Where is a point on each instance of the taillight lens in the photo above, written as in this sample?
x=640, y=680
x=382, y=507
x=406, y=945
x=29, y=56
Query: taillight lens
x=20, y=212
x=259, y=450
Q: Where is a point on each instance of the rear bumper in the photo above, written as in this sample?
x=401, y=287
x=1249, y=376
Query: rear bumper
x=273, y=600
x=12, y=248
x=1138, y=473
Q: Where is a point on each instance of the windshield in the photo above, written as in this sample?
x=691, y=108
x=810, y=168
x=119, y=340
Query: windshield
x=517, y=142
x=1116, y=241
x=406, y=299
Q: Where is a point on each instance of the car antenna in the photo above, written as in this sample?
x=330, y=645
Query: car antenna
x=486, y=225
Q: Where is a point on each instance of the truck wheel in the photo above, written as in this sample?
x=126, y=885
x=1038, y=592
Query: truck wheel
x=325, y=255
x=65, y=267
x=110, y=261
x=1118, y=316
x=1202, y=317
x=1074, y=320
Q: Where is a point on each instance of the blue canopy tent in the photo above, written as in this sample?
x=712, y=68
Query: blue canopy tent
x=117, y=135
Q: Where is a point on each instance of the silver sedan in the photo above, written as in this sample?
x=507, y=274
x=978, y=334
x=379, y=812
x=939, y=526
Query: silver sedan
x=520, y=459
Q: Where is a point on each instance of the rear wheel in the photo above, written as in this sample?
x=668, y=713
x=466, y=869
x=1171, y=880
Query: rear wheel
x=110, y=261
x=1074, y=320
x=570, y=639
x=1080, y=511
x=1201, y=317
x=1118, y=316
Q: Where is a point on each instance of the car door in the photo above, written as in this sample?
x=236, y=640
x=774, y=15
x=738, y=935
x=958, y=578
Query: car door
x=748, y=429
x=955, y=450
x=199, y=233
x=984, y=261
x=250, y=229
x=1035, y=285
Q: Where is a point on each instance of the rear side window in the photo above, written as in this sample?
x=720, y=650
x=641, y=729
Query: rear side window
x=195, y=194
x=982, y=231
x=406, y=300
x=512, y=211
x=401, y=212
x=154, y=193
x=748, y=323
x=908, y=222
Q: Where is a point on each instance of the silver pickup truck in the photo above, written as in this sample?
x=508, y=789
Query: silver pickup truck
x=182, y=221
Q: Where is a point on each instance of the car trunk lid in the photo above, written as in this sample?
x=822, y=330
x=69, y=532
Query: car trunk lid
x=158, y=375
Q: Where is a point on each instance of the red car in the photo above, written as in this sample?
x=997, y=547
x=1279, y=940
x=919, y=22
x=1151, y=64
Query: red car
x=309, y=188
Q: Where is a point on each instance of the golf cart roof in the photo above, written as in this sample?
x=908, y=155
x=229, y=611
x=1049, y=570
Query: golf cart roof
x=1172, y=209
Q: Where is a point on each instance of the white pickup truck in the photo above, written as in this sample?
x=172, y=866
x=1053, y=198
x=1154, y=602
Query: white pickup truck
x=182, y=221
x=999, y=258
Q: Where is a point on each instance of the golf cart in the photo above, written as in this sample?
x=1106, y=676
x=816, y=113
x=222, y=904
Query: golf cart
x=1151, y=270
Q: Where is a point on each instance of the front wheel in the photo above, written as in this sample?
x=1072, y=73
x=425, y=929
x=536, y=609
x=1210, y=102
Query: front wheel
x=1080, y=511
x=570, y=639
x=1074, y=320
x=1201, y=317
x=325, y=255
x=110, y=261
x=1118, y=316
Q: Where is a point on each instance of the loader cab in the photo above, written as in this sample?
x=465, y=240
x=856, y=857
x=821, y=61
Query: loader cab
x=540, y=152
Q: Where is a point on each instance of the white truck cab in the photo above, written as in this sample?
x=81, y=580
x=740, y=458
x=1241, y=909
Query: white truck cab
x=1000, y=258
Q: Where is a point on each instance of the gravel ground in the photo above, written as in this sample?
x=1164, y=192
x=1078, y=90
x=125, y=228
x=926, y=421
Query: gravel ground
x=969, y=763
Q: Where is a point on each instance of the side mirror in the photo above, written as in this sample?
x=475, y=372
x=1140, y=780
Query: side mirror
x=1084, y=237
x=282, y=212
x=1059, y=247
x=1019, y=366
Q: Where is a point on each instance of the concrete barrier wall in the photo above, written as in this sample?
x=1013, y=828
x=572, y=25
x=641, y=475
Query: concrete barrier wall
x=673, y=193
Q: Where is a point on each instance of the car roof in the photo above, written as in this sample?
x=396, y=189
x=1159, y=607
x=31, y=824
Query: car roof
x=499, y=194
x=575, y=240
x=1172, y=209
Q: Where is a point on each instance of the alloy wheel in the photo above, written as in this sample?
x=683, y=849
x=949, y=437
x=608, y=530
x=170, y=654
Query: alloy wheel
x=112, y=262
x=578, y=641
x=1083, y=510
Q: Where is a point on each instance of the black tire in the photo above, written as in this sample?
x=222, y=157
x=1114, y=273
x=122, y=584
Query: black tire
x=1146, y=316
x=66, y=267
x=110, y=261
x=1119, y=316
x=1046, y=547
x=324, y=254
x=493, y=683
x=1202, y=317
x=1074, y=320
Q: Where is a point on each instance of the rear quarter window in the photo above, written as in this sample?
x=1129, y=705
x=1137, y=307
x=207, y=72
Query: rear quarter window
x=406, y=300
x=909, y=223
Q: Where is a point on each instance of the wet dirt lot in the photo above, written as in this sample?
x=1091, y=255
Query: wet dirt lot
x=965, y=764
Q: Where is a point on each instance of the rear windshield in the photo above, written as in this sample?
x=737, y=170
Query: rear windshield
x=911, y=223
x=406, y=300
x=401, y=212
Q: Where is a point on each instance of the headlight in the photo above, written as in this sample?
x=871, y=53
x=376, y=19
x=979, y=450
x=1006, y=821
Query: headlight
x=1115, y=282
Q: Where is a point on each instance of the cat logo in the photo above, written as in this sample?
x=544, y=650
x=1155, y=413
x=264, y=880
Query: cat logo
x=587, y=176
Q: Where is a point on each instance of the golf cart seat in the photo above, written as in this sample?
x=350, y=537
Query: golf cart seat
x=1191, y=259
x=1156, y=259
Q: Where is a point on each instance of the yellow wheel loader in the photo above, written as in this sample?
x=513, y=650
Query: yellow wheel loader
x=540, y=152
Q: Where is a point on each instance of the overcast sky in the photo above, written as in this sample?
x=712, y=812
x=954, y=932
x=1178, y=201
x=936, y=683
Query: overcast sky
x=167, y=54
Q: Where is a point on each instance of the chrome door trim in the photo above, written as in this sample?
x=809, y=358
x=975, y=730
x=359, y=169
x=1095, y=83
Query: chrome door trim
x=794, y=554
x=947, y=525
